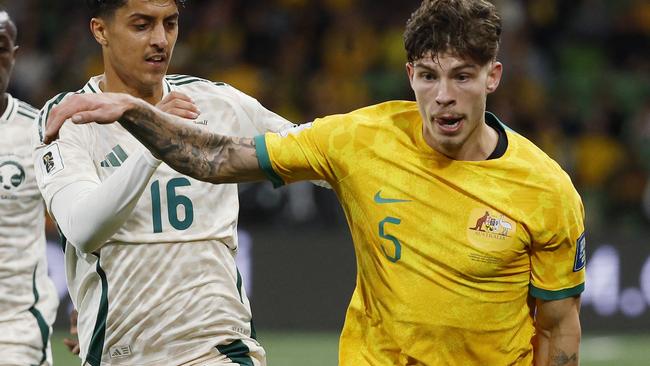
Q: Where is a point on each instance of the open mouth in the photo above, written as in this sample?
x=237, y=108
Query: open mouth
x=449, y=123
x=156, y=59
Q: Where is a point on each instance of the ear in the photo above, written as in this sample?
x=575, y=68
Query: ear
x=98, y=29
x=410, y=71
x=494, y=76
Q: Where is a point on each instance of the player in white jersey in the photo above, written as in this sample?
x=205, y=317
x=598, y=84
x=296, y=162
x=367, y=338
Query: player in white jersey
x=150, y=252
x=28, y=299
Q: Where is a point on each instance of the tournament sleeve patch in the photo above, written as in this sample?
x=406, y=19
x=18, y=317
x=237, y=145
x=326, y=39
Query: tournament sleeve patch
x=581, y=255
x=294, y=129
x=51, y=161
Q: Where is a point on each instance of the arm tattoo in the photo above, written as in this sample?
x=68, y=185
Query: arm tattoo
x=560, y=358
x=192, y=151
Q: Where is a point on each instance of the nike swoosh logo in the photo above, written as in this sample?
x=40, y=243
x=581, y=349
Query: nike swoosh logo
x=379, y=199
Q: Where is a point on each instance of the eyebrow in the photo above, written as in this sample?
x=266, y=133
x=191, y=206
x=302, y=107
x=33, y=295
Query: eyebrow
x=453, y=69
x=149, y=17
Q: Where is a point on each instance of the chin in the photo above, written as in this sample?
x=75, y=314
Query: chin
x=450, y=143
x=152, y=79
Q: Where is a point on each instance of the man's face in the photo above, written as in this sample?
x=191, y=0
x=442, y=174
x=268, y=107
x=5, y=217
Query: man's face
x=451, y=94
x=140, y=39
x=7, y=50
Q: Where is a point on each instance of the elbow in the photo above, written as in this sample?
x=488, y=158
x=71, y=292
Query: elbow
x=87, y=247
x=81, y=241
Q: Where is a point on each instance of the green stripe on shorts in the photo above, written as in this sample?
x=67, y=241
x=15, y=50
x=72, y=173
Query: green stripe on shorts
x=42, y=324
x=237, y=352
x=94, y=357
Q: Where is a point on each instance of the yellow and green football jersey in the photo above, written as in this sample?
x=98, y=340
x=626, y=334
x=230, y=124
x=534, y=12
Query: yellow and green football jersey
x=448, y=251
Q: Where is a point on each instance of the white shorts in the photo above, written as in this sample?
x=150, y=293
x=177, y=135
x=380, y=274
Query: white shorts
x=21, y=342
x=238, y=353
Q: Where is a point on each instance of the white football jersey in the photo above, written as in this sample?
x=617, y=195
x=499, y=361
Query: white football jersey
x=164, y=289
x=28, y=298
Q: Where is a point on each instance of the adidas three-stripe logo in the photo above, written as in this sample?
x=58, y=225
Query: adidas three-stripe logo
x=115, y=158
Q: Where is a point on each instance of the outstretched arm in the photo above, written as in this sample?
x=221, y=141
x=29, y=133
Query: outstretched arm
x=185, y=147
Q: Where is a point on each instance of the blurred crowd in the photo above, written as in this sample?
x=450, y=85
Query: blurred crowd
x=576, y=80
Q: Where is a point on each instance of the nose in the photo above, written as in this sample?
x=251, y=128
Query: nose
x=159, y=36
x=444, y=94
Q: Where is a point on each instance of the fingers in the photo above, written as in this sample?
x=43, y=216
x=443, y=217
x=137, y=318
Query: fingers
x=62, y=112
x=177, y=95
x=180, y=105
x=85, y=108
x=72, y=345
x=183, y=112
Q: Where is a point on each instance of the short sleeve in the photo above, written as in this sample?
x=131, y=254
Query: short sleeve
x=558, y=258
x=304, y=152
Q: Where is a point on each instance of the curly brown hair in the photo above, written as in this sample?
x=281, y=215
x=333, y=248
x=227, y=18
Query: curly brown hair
x=464, y=28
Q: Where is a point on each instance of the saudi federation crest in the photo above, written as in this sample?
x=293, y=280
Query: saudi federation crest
x=12, y=175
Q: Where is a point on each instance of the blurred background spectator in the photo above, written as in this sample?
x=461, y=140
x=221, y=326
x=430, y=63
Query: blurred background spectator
x=576, y=82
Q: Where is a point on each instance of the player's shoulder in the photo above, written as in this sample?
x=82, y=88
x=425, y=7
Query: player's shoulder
x=18, y=122
x=24, y=112
x=44, y=113
x=194, y=85
x=387, y=114
x=544, y=169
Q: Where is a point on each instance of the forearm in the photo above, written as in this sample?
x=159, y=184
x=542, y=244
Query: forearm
x=191, y=150
x=557, y=348
x=89, y=214
x=558, y=330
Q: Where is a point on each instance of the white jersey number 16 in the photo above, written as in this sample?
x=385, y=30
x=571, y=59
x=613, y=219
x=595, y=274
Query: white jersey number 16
x=173, y=201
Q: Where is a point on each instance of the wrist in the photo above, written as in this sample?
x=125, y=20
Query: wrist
x=133, y=107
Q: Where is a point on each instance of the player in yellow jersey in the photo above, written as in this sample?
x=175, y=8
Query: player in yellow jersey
x=469, y=239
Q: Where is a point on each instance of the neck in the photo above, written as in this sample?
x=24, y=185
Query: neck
x=4, y=100
x=113, y=83
x=479, y=144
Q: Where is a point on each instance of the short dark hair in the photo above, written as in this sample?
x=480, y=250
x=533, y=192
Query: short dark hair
x=106, y=8
x=464, y=28
x=13, y=30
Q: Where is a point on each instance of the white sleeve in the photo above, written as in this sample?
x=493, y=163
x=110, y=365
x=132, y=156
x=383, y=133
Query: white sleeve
x=266, y=121
x=89, y=213
x=262, y=119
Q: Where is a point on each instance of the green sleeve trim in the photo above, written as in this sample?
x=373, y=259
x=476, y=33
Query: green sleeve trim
x=265, y=161
x=555, y=295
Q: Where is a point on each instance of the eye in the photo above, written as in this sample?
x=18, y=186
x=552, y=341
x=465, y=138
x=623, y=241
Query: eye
x=427, y=76
x=463, y=77
x=140, y=26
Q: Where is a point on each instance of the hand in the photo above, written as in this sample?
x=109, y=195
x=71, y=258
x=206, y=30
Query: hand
x=101, y=108
x=73, y=343
x=179, y=105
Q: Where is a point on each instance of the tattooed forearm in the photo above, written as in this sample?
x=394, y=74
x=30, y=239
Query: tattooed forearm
x=192, y=150
x=560, y=358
